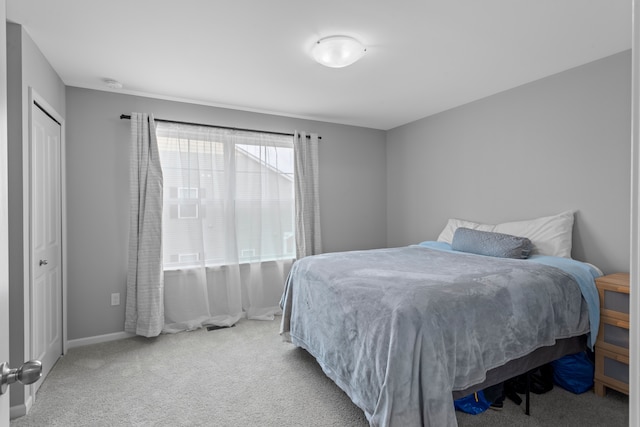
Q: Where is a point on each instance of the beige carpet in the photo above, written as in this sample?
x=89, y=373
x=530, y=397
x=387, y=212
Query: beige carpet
x=243, y=376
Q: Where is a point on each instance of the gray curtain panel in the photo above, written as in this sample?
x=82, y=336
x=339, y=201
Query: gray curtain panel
x=144, y=312
x=308, y=239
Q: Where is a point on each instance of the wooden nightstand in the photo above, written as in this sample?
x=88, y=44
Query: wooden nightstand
x=612, y=345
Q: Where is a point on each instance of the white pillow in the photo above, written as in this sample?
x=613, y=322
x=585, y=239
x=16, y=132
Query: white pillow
x=550, y=235
x=453, y=224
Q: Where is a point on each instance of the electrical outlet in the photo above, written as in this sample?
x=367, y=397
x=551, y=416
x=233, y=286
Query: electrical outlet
x=115, y=299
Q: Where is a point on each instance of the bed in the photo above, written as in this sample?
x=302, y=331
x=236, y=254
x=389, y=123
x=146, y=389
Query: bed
x=404, y=330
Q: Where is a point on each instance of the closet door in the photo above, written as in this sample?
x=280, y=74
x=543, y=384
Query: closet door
x=46, y=240
x=4, y=220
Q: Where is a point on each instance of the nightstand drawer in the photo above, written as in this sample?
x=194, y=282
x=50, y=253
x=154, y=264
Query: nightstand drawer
x=612, y=369
x=614, y=295
x=615, y=303
x=613, y=335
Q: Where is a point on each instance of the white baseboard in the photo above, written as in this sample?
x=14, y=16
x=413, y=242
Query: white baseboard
x=98, y=339
x=20, y=410
x=17, y=411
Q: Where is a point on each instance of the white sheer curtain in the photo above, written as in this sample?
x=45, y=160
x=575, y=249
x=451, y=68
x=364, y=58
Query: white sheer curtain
x=144, y=308
x=228, y=236
x=308, y=235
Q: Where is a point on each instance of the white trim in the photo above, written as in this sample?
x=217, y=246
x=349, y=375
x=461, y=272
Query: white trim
x=80, y=342
x=5, y=330
x=634, y=262
x=21, y=410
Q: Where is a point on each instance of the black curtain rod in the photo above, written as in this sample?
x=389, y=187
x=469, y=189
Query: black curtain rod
x=128, y=117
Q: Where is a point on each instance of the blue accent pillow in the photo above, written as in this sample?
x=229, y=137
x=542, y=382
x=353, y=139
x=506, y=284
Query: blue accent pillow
x=491, y=244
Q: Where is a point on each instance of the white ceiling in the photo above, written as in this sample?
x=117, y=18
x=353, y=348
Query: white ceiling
x=424, y=56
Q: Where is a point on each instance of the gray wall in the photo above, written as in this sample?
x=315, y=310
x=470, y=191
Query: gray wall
x=555, y=144
x=559, y=143
x=26, y=67
x=352, y=192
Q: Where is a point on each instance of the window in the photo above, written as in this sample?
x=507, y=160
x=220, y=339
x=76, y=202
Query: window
x=228, y=196
x=188, y=203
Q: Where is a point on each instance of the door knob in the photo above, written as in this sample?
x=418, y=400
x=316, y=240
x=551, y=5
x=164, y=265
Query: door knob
x=28, y=373
x=43, y=262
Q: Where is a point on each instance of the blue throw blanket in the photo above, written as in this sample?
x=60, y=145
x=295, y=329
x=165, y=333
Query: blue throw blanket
x=399, y=329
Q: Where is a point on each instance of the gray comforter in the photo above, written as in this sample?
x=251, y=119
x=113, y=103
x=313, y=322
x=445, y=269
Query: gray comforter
x=399, y=329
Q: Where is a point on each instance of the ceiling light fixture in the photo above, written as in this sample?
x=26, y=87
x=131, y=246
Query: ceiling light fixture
x=337, y=51
x=113, y=84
